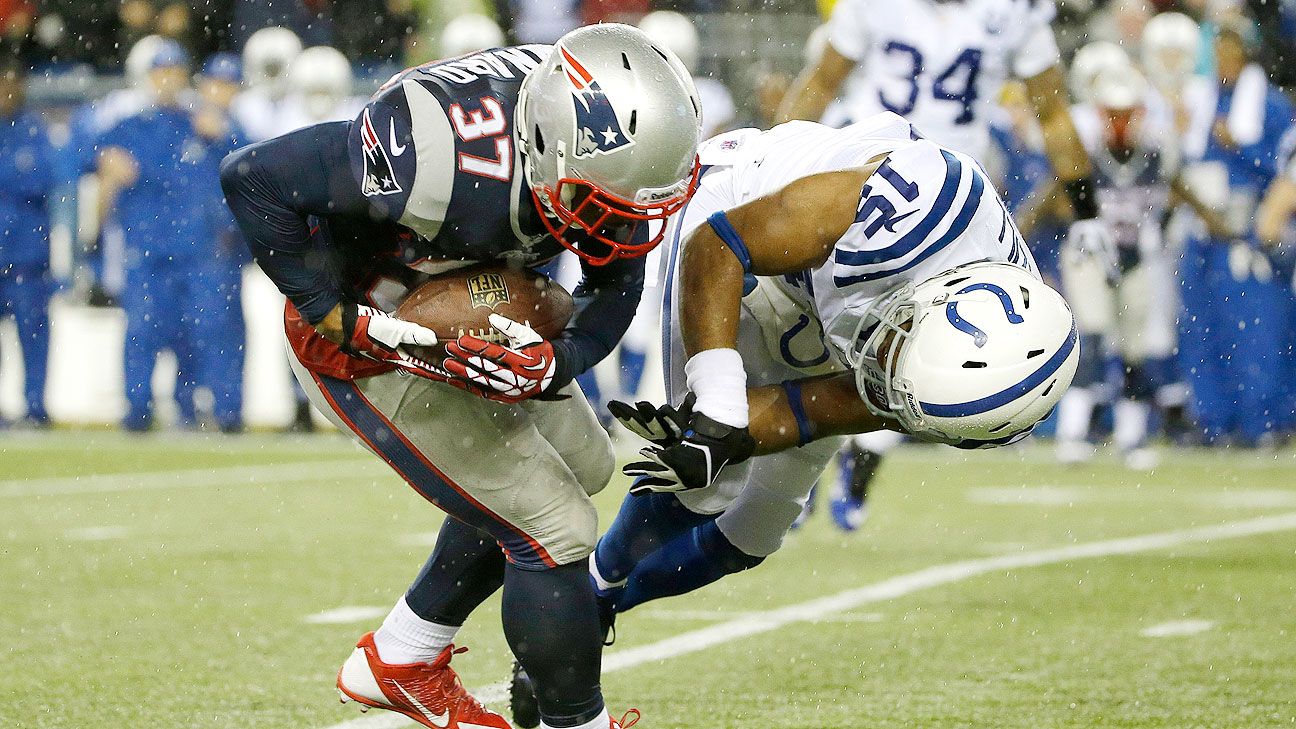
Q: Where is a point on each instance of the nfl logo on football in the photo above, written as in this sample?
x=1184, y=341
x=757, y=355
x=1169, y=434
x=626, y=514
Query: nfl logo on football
x=488, y=289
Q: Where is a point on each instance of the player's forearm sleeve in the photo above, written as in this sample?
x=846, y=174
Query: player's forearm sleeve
x=1037, y=53
x=606, y=302
x=848, y=31
x=271, y=188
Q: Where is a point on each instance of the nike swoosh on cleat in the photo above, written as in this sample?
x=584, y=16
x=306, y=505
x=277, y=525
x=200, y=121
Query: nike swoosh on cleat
x=438, y=720
x=396, y=149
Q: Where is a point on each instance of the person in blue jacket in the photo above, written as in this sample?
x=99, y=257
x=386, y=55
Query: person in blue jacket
x=1235, y=321
x=219, y=335
x=157, y=172
x=25, y=283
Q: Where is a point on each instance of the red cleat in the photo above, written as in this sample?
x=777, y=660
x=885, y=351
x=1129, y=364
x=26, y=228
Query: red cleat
x=429, y=693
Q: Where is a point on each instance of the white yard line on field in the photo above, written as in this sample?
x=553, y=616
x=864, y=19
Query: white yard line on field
x=1040, y=452
x=193, y=478
x=1029, y=495
x=1177, y=628
x=95, y=533
x=716, y=616
x=347, y=614
x=251, y=442
x=1201, y=494
x=888, y=589
x=420, y=539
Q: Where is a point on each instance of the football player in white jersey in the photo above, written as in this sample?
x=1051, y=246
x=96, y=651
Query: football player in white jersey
x=941, y=64
x=823, y=282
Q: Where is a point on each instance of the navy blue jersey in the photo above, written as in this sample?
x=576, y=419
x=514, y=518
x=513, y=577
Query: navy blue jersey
x=453, y=177
x=426, y=176
x=1133, y=198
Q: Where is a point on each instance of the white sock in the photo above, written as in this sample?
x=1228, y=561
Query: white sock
x=600, y=581
x=602, y=721
x=1074, y=413
x=1131, y=424
x=406, y=638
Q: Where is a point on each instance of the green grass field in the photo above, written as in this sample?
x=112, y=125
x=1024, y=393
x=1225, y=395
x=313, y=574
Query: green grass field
x=168, y=582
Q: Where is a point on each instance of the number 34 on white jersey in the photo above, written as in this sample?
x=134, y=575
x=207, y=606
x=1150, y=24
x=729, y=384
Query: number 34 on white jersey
x=941, y=63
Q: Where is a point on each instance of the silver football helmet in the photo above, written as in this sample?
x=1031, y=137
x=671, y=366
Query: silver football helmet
x=974, y=357
x=1171, y=44
x=608, y=128
x=469, y=33
x=267, y=56
x=676, y=32
x=1092, y=59
x=323, y=77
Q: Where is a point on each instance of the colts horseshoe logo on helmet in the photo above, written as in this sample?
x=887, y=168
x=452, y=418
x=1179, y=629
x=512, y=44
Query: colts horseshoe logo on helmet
x=597, y=128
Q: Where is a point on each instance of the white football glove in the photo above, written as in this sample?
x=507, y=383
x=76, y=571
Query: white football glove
x=1246, y=262
x=1092, y=237
x=374, y=334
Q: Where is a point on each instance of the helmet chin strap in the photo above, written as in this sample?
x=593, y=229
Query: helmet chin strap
x=523, y=138
x=561, y=164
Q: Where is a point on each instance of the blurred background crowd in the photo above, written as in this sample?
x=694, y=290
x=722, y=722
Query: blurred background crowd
x=114, y=116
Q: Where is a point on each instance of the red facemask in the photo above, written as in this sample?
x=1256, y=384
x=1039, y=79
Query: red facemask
x=1122, y=128
x=609, y=220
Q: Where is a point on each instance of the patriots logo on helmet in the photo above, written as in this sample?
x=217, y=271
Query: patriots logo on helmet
x=597, y=128
x=379, y=178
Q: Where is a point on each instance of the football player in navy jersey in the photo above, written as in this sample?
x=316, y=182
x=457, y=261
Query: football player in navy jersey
x=515, y=155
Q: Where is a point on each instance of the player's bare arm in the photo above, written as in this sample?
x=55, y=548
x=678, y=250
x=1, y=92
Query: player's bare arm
x=788, y=231
x=117, y=171
x=816, y=86
x=1048, y=96
x=1276, y=210
x=1070, y=160
x=784, y=232
x=330, y=327
x=832, y=405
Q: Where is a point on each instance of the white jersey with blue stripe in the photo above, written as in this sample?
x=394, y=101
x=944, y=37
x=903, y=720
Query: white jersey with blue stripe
x=924, y=211
x=940, y=63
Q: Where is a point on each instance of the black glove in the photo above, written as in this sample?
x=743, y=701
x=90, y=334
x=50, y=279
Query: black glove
x=662, y=425
x=695, y=461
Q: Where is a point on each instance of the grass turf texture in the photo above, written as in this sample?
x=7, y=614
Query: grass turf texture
x=182, y=605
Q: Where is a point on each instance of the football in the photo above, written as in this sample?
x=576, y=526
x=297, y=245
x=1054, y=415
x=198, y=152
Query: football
x=461, y=301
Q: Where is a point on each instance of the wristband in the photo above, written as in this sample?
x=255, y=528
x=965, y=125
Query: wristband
x=1084, y=201
x=719, y=223
x=805, y=429
x=718, y=379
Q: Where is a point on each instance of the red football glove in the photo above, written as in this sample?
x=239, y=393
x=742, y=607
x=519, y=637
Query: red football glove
x=374, y=334
x=520, y=371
